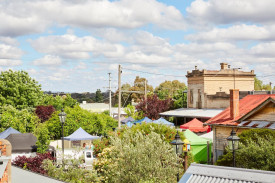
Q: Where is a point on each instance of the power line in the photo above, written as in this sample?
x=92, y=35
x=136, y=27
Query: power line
x=152, y=73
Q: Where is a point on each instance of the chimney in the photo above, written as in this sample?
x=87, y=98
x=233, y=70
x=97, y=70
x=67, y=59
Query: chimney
x=234, y=103
x=224, y=66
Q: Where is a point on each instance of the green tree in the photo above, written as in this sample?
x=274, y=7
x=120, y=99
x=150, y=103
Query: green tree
x=139, y=86
x=93, y=123
x=21, y=120
x=137, y=158
x=98, y=96
x=131, y=112
x=59, y=102
x=43, y=138
x=258, y=85
x=18, y=89
x=256, y=151
x=168, y=89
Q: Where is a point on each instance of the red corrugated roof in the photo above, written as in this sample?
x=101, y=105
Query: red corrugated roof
x=246, y=105
x=195, y=126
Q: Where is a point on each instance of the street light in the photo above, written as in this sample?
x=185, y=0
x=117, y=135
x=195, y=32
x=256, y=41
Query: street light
x=62, y=118
x=233, y=142
x=178, y=146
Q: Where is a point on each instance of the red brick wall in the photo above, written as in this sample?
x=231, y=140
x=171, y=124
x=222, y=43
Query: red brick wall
x=5, y=148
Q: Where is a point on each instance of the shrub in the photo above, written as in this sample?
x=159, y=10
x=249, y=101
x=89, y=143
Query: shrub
x=44, y=112
x=71, y=172
x=43, y=138
x=256, y=151
x=99, y=145
x=137, y=158
x=166, y=133
x=33, y=163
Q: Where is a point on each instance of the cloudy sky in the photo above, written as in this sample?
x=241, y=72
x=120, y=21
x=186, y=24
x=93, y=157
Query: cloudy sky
x=72, y=45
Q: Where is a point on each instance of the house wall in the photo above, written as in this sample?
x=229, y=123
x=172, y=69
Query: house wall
x=266, y=114
x=219, y=141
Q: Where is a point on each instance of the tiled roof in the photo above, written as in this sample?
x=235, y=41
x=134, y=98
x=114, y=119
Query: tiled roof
x=246, y=105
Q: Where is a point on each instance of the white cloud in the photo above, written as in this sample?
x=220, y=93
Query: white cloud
x=10, y=62
x=10, y=55
x=226, y=12
x=48, y=60
x=265, y=50
x=234, y=33
x=27, y=17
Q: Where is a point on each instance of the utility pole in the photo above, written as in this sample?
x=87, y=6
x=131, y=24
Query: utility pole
x=145, y=93
x=110, y=95
x=270, y=87
x=119, y=94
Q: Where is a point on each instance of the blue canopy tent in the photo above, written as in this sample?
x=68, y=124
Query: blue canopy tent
x=80, y=134
x=129, y=124
x=7, y=132
x=163, y=121
x=129, y=119
x=146, y=119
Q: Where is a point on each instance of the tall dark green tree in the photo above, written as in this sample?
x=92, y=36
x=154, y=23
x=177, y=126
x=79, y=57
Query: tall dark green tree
x=98, y=96
x=18, y=89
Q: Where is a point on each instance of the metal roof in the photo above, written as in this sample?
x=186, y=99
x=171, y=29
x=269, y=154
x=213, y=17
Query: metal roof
x=19, y=175
x=198, y=173
x=257, y=124
x=191, y=112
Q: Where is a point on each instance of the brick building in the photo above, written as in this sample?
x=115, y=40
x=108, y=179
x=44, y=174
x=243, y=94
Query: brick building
x=210, y=88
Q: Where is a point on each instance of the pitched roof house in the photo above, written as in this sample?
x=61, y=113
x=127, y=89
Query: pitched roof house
x=253, y=111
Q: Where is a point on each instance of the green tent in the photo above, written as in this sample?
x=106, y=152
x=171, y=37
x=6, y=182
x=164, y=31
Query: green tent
x=198, y=146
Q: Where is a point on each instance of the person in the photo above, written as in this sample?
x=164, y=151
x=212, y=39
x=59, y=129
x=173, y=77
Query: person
x=82, y=164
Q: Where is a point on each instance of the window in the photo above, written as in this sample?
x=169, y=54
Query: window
x=88, y=154
x=191, y=96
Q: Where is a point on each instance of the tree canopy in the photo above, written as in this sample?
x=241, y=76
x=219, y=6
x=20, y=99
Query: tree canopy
x=259, y=85
x=256, y=151
x=168, y=89
x=137, y=158
x=154, y=106
x=77, y=117
x=139, y=86
x=18, y=89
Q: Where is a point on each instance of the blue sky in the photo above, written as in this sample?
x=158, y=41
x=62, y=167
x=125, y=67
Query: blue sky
x=72, y=45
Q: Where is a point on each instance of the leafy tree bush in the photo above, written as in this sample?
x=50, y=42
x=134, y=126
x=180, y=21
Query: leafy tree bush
x=254, y=134
x=137, y=158
x=71, y=172
x=21, y=120
x=19, y=90
x=168, y=89
x=58, y=102
x=256, y=151
x=100, y=145
x=98, y=96
x=33, y=163
x=154, y=106
x=166, y=133
x=44, y=112
x=93, y=123
x=43, y=138
x=131, y=112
